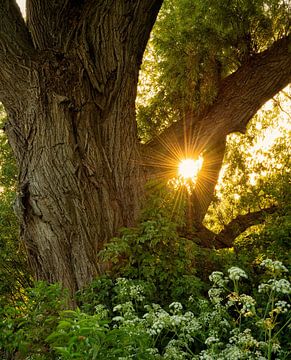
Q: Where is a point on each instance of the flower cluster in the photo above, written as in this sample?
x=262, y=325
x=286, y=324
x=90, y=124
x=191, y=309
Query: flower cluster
x=282, y=286
x=184, y=325
x=215, y=295
x=235, y=273
x=126, y=289
x=175, y=307
x=248, y=305
x=281, y=307
x=217, y=278
x=274, y=266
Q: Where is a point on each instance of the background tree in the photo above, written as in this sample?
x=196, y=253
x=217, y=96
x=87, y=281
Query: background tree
x=68, y=82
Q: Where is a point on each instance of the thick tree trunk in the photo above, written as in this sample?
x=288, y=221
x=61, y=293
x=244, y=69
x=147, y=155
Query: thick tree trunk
x=73, y=129
x=79, y=177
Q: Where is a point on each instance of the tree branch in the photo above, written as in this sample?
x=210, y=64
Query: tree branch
x=16, y=51
x=241, y=223
x=52, y=22
x=240, y=96
x=208, y=239
x=202, y=195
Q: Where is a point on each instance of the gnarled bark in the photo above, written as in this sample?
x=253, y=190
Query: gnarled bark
x=72, y=127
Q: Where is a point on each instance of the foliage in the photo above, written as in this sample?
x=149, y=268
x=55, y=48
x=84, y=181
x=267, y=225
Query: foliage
x=24, y=327
x=154, y=252
x=194, y=45
x=14, y=274
x=256, y=168
x=230, y=324
x=271, y=238
x=99, y=291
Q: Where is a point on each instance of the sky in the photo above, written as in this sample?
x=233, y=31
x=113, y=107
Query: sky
x=21, y=4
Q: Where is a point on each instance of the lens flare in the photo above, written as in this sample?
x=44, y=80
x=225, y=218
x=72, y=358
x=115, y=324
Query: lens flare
x=189, y=168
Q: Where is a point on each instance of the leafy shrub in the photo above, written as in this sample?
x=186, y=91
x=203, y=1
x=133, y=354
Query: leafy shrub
x=272, y=238
x=24, y=328
x=155, y=253
x=232, y=325
x=100, y=291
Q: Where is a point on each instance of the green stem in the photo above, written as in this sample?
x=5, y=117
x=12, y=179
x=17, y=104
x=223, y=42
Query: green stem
x=286, y=323
x=268, y=304
x=270, y=344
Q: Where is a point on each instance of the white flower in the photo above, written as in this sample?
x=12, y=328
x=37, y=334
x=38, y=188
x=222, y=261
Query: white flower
x=276, y=347
x=210, y=340
x=235, y=273
x=282, y=286
x=248, y=305
x=274, y=266
x=152, y=351
x=118, y=318
x=264, y=288
x=117, y=307
x=176, y=307
x=176, y=320
x=282, y=306
x=217, y=278
x=215, y=295
x=173, y=352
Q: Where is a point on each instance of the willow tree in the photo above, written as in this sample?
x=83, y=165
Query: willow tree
x=68, y=82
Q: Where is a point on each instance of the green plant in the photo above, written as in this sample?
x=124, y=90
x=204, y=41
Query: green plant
x=14, y=271
x=231, y=325
x=259, y=323
x=24, y=328
x=155, y=253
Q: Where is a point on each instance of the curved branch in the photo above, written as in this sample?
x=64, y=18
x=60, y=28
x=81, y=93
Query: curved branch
x=242, y=222
x=231, y=231
x=16, y=51
x=240, y=96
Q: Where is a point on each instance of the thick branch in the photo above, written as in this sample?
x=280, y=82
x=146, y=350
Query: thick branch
x=242, y=222
x=52, y=22
x=232, y=230
x=16, y=50
x=240, y=96
x=202, y=196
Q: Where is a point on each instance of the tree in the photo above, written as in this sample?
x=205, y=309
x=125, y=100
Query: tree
x=68, y=83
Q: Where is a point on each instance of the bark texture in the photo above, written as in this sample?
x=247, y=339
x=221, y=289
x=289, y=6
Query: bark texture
x=68, y=83
x=72, y=126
